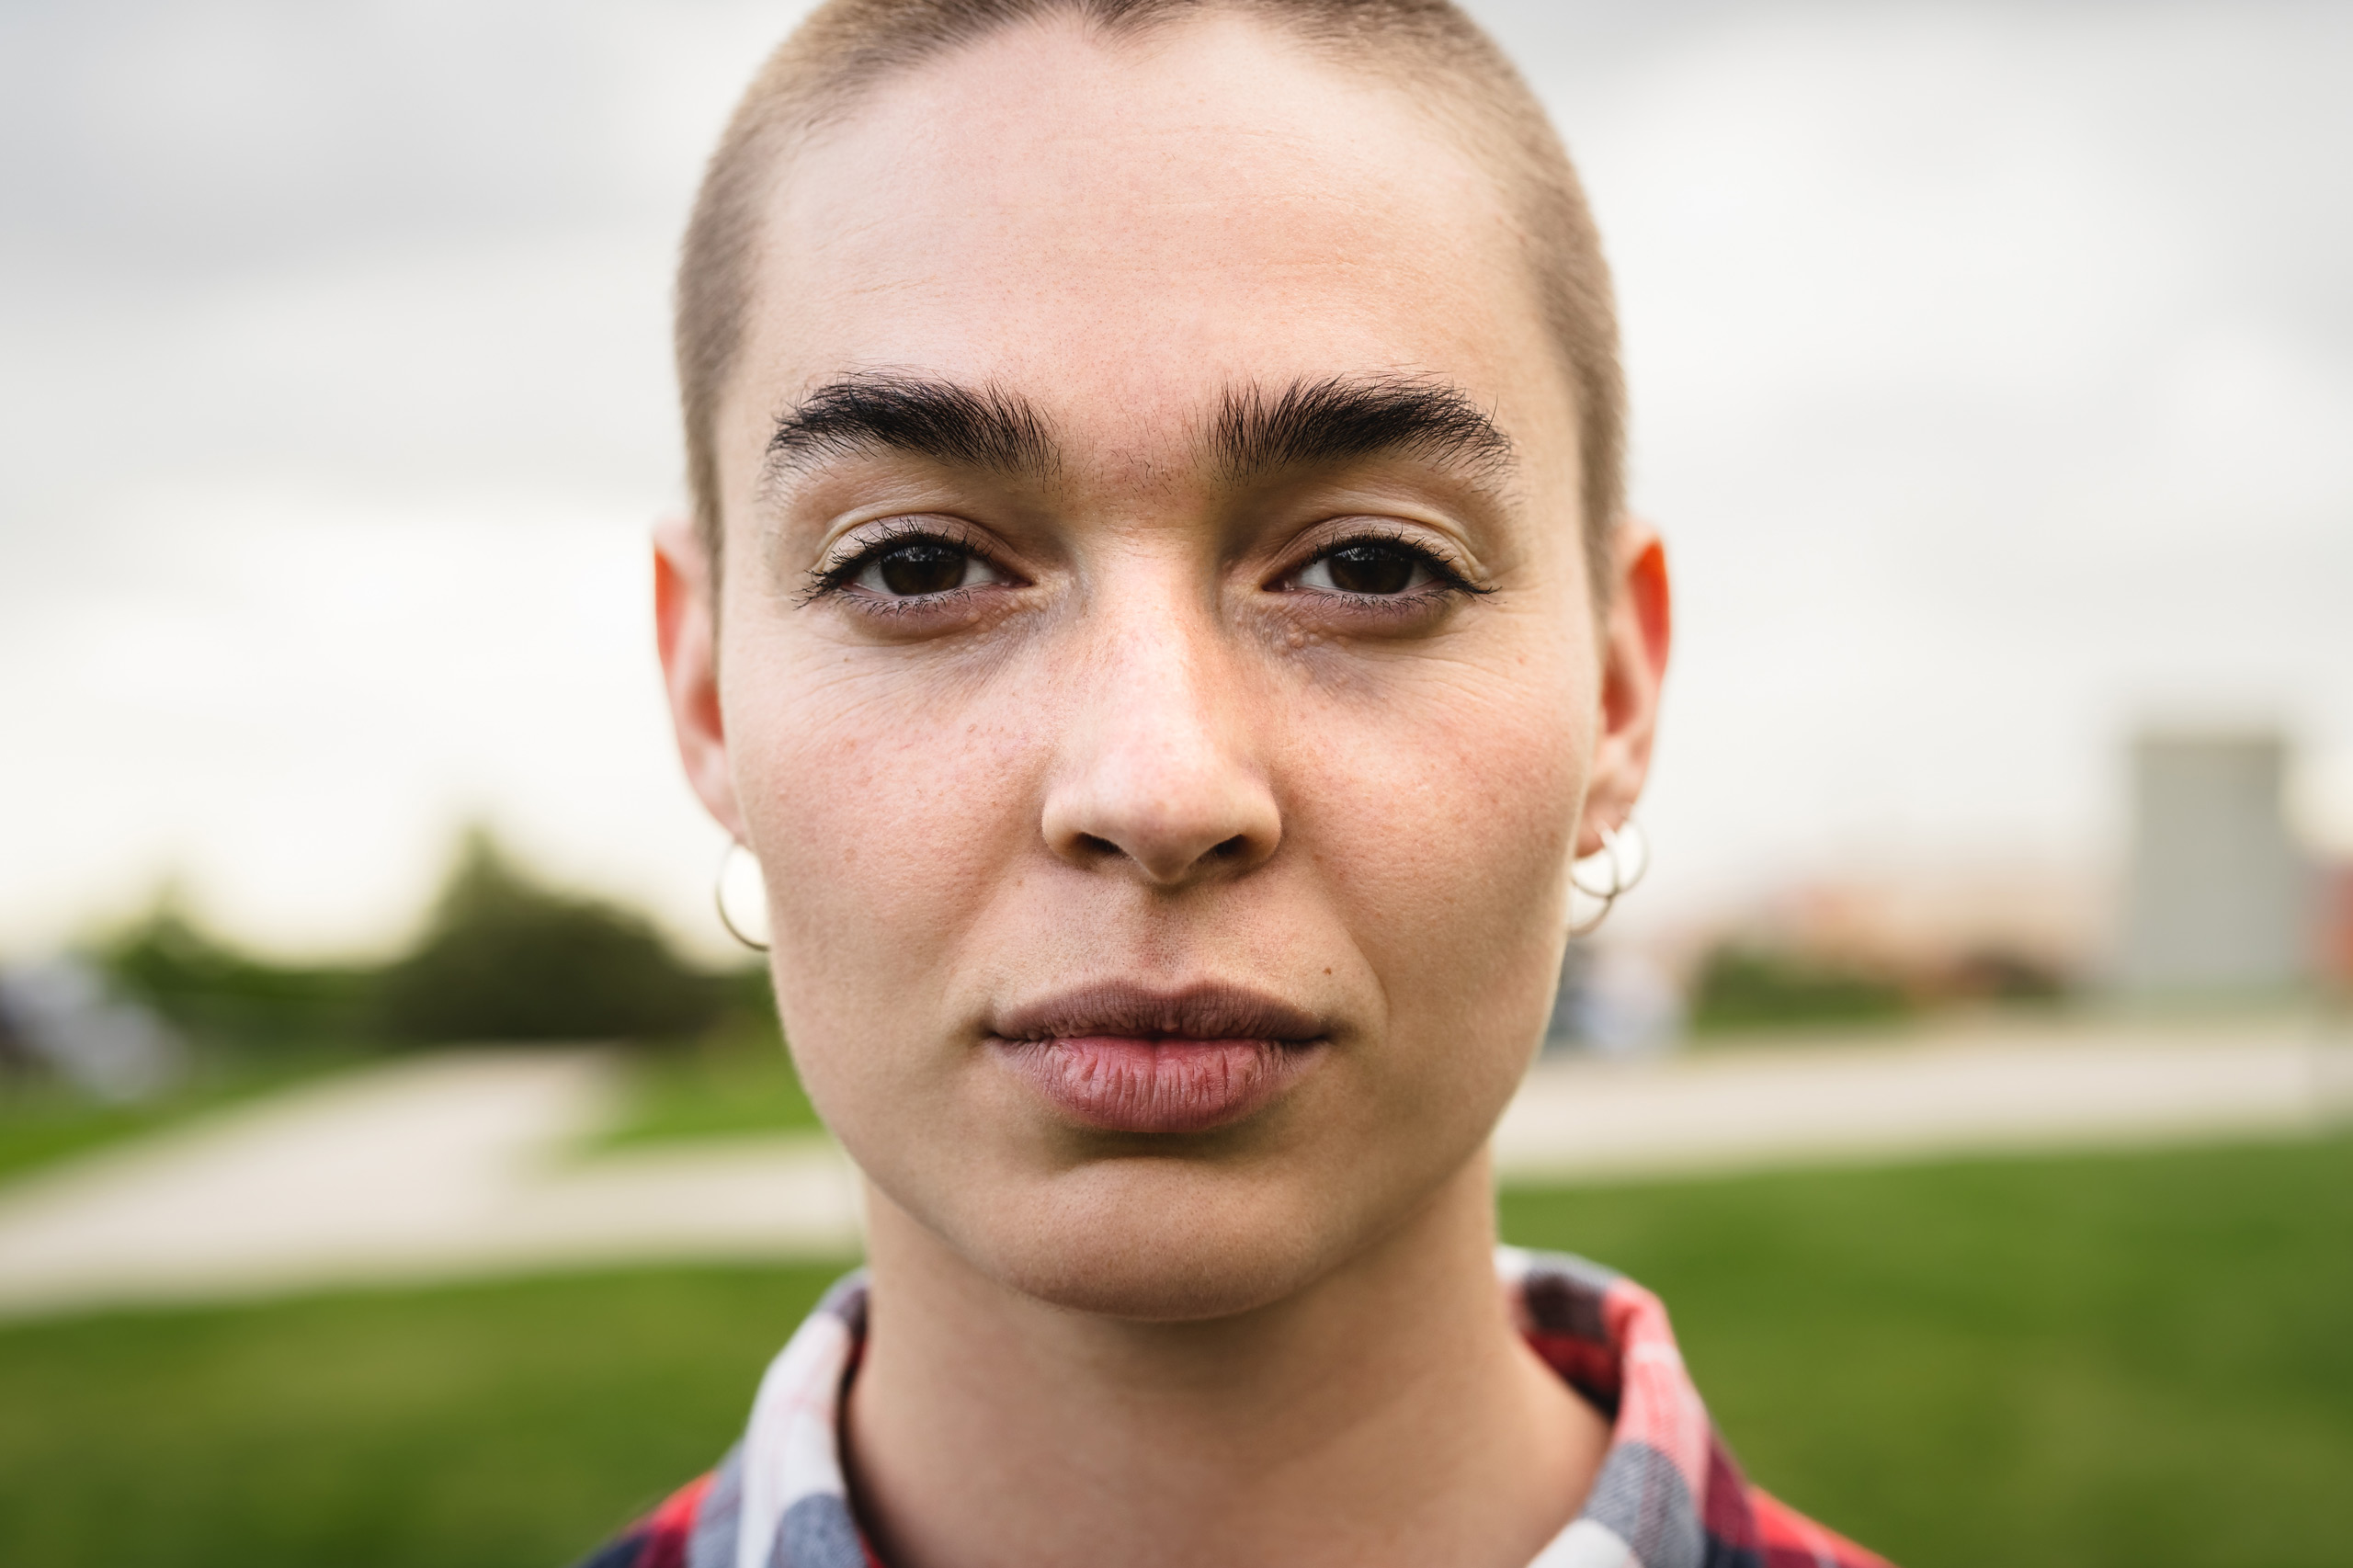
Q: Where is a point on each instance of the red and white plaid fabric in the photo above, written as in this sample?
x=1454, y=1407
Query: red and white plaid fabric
x=1668, y=1494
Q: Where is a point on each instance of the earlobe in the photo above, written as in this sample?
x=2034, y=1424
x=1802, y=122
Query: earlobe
x=685, y=631
x=1635, y=642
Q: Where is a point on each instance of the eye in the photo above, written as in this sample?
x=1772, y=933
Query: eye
x=914, y=568
x=1373, y=568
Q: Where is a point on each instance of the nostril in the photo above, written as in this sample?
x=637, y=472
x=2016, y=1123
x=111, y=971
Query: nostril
x=1095, y=846
x=1233, y=847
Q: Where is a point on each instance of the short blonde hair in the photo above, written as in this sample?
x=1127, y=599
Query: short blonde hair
x=1427, y=48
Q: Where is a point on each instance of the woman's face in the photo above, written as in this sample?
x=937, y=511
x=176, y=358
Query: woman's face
x=1153, y=663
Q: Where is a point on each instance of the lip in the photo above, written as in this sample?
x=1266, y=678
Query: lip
x=1126, y=1058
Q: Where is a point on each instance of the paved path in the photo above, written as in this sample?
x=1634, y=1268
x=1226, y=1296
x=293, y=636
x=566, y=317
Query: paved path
x=466, y=1165
x=437, y=1167
x=1938, y=1094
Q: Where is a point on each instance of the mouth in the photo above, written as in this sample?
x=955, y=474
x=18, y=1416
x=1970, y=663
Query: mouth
x=1130, y=1059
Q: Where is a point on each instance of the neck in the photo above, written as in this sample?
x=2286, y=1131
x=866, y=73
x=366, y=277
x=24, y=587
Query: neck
x=1386, y=1414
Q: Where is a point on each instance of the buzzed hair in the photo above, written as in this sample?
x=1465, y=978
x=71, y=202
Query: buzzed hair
x=1427, y=49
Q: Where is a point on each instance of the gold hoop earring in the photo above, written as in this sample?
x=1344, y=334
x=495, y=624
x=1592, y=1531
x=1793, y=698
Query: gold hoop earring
x=719, y=892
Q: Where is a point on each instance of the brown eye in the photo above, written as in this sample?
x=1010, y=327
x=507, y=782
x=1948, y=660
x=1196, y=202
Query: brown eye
x=1367, y=567
x=916, y=568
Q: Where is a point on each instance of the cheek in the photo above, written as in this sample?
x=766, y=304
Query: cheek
x=881, y=816
x=1442, y=836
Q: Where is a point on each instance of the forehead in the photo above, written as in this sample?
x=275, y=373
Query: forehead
x=1116, y=228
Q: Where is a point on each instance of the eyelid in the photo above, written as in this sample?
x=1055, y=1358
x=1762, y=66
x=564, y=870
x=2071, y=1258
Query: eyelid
x=853, y=551
x=1452, y=570
x=878, y=533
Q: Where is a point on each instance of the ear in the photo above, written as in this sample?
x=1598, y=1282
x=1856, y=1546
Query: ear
x=1634, y=645
x=685, y=627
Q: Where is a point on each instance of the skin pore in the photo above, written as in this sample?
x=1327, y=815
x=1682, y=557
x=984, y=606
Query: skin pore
x=1156, y=672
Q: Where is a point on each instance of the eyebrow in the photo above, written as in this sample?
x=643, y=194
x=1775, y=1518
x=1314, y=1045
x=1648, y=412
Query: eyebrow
x=970, y=427
x=1306, y=425
x=1338, y=420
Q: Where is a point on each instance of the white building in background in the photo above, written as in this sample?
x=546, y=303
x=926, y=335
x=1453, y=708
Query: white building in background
x=2219, y=896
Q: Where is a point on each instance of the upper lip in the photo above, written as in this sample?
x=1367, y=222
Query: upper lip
x=1121, y=1008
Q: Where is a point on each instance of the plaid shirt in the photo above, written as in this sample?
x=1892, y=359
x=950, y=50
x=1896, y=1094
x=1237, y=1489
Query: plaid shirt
x=1668, y=1494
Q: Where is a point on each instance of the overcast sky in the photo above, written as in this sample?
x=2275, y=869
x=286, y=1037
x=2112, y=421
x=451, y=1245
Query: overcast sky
x=1991, y=372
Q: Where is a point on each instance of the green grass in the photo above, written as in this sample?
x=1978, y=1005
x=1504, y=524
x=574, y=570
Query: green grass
x=737, y=1081
x=2142, y=1359
x=40, y=1126
x=2132, y=1358
x=42, y=1121
x=502, y=1424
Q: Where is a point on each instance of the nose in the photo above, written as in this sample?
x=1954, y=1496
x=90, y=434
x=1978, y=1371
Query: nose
x=1160, y=766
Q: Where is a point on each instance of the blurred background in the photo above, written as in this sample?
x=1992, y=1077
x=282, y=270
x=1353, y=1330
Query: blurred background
x=1991, y=369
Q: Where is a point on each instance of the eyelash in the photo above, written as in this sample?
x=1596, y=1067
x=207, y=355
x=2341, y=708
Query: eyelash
x=827, y=581
x=1449, y=582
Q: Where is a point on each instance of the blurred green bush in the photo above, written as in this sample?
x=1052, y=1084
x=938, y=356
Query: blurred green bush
x=215, y=994
x=1757, y=985
x=506, y=959
x=1748, y=988
x=502, y=956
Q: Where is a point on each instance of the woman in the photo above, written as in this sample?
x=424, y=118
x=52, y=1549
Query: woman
x=1160, y=615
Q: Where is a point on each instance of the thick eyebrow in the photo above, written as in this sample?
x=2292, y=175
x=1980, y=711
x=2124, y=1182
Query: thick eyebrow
x=1339, y=420
x=967, y=427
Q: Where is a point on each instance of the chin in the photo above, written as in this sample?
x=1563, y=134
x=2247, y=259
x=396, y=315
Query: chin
x=1155, y=1247
x=1153, y=1240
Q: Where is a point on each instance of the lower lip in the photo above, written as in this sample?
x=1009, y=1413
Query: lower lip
x=1122, y=1084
